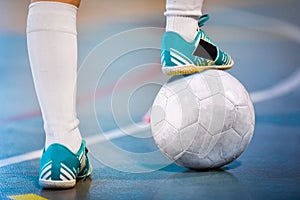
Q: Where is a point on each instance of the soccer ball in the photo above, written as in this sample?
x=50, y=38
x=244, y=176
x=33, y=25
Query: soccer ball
x=202, y=121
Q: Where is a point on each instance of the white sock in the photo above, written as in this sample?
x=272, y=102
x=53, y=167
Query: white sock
x=52, y=48
x=182, y=17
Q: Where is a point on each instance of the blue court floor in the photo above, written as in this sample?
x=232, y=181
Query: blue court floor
x=118, y=78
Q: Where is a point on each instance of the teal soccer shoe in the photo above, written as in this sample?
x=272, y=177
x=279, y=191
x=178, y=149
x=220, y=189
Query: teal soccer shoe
x=181, y=57
x=59, y=167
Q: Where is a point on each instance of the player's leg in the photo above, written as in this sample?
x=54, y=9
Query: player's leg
x=186, y=48
x=72, y=2
x=52, y=48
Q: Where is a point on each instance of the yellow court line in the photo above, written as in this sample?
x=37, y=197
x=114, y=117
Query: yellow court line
x=27, y=197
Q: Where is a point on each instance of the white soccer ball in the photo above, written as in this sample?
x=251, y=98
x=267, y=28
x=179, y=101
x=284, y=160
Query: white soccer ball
x=202, y=121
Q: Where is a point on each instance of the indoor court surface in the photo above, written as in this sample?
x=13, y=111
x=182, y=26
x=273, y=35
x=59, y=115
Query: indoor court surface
x=115, y=90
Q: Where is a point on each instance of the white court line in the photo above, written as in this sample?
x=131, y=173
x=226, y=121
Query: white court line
x=94, y=139
x=21, y=158
x=284, y=87
x=288, y=30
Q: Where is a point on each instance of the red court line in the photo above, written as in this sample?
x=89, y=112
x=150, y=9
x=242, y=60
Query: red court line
x=20, y=117
x=101, y=92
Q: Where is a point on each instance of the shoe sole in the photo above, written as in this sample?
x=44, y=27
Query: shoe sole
x=191, y=69
x=50, y=184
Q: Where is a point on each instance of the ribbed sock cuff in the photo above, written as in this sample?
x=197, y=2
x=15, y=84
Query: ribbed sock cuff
x=186, y=26
x=52, y=16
